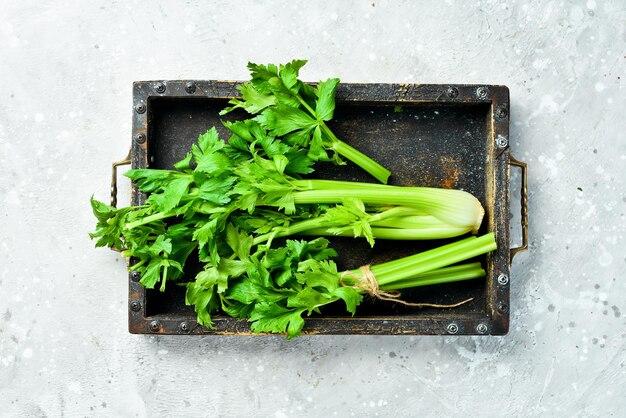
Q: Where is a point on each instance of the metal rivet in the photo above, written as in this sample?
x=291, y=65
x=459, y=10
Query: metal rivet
x=190, y=87
x=159, y=87
x=481, y=92
x=452, y=92
x=503, y=307
x=501, y=112
x=501, y=141
x=140, y=138
x=184, y=326
x=452, y=328
x=140, y=107
x=135, y=305
x=481, y=328
x=155, y=326
x=135, y=276
x=503, y=279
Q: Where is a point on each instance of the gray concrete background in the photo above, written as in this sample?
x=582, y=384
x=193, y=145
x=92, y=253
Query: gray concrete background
x=66, y=70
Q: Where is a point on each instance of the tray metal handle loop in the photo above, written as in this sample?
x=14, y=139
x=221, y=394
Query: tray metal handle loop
x=524, y=203
x=114, y=166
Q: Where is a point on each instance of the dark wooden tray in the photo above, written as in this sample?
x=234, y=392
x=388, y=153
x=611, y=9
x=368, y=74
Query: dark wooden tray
x=453, y=136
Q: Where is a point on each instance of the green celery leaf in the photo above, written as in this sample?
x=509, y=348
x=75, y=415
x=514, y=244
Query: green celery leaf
x=211, y=276
x=247, y=202
x=205, y=232
x=213, y=163
x=101, y=210
x=296, y=248
x=283, y=277
x=152, y=274
x=317, y=151
x=275, y=258
x=261, y=74
x=288, y=73
x=251, y=291
x=321, y=274
x=350, y=296
x=325, y=105
x=149, y=179
x=284, y=96
x=208, y=143
x=161, y=246
x=232, y=268
x=270, y=317
x=173, y=193
x=308, y=93
x=240, y=129
x=280, y=161
x=200, y=297
x=309, y=299
x=281, y=120
x=236, y=309
x=214, y=189
x=239, y=242
x=255, y=101
x=299, y=163
x=185, y=163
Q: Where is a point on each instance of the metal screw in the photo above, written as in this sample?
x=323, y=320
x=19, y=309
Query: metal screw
x=135, y=276
x=190, y=87
x=452, y=328
x=503, y=307
x=184, y=326
x=481, y=328
x=159, y=87
x=135, y=306
x=503, y=279
x=140, y=138
x=501, y=141
x=481, y=92
x=501, y=112
x=140, y=107
x=452, y=92
x=155, y=326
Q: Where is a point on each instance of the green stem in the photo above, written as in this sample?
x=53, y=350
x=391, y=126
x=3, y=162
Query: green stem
x=442, y=275
x=393, y=212
x=293, y=229
x=434, y=259
x=406, y=234
x=426, y=256
x=315, y=184
x=411, y=222
x=454, y=207
x=163, y=280
x=306, y=106
x=147, y=219
x=137, y=265
x=321, y=226
x=379, y=172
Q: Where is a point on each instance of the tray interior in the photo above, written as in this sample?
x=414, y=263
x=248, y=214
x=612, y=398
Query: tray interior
x=426, y=144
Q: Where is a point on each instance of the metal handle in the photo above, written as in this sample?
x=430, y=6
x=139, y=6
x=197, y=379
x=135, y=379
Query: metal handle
x=524, y=201
x=114, y=166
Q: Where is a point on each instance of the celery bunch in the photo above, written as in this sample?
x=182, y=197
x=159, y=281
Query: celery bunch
x=228, y=201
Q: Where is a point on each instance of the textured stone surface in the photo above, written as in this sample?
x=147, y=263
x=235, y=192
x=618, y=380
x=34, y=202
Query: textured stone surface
x=65, y=104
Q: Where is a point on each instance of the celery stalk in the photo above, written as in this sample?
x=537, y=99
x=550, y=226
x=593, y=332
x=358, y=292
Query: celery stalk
x=443, y=275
